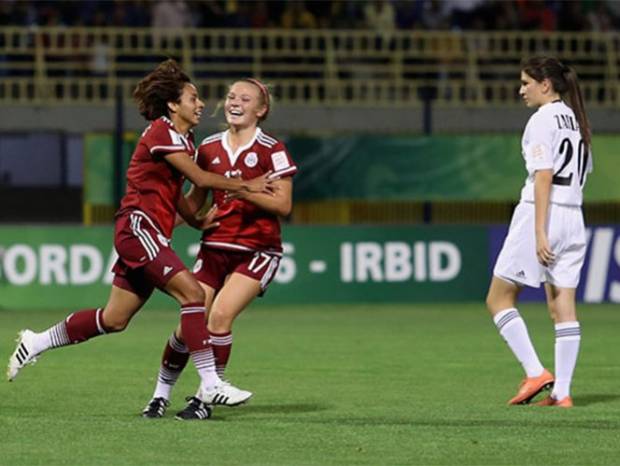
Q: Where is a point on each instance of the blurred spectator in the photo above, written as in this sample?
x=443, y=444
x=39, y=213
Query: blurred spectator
x=239, y=14
x=171, y=14
x=344, y=15
x=386, y=15
x=462, y=12
x=600, y=18
x=259, y=16
x=506, y=16
x=613, y=8
x=297, y=16
x=537, y=15
x=169, y=18
x=380, y=15
x=434, y=17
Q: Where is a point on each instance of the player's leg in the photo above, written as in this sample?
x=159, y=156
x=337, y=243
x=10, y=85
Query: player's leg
x=190, y=295
x=229, y=302
x=77, y=328
x=233, y=298
x=185, y=288
x=251, y=276
x=501, y=302
x=561, y=303
x=566, y=228
x=173, y=361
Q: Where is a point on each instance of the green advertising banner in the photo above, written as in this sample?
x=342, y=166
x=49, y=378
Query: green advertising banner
x=68, y=267
x=412, y=167
x=431, y=168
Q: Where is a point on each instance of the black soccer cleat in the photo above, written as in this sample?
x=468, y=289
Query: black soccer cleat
x=156, y=408
x=195, y=410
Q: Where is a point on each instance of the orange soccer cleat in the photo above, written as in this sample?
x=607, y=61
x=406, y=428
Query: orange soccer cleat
x=532, y=386
x=566, y=402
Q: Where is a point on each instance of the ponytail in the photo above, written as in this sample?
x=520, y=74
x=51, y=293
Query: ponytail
x=575, y=101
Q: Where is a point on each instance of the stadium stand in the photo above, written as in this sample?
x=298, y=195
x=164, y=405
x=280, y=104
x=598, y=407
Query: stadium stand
x=354, y=59
x=317, y=67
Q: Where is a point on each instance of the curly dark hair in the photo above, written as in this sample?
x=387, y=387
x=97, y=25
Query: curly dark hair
x=162, y=85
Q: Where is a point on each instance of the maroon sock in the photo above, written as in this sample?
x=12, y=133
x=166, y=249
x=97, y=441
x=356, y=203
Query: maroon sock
x=193, y=326
x=222, y=345
x=175, y=355
x=84, y=325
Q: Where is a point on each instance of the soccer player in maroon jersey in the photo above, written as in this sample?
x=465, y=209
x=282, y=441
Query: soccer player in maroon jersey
x=239, y=258
x=161, y=161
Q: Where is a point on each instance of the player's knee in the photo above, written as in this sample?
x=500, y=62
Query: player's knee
x=219, y=320
x=491, y=303
x=194, y=294
x=114, y=324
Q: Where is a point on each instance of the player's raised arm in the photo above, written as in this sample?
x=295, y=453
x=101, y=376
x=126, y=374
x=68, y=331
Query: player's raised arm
x=206, y=180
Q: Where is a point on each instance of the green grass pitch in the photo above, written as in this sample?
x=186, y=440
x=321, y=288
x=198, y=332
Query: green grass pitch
x=346, y=384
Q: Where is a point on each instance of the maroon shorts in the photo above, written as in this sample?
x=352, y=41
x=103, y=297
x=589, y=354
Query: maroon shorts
x=145, y=260
x=214, y=265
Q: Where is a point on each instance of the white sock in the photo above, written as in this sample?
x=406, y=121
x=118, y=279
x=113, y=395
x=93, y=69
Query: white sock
x=512, y=328
x=167, y=376
x=567, y=339
x=53, y=337
x=205, y=364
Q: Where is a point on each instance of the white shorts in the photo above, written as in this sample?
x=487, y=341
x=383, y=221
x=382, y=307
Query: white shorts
x=517, y=261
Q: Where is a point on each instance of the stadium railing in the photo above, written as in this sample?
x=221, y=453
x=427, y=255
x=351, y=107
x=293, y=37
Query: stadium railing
x=62, y=65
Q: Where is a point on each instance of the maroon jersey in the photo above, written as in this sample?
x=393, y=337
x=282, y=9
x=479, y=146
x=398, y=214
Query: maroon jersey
x=153, y=185
x=243, y=225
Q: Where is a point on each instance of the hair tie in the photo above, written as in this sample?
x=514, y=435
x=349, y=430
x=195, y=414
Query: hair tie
x=264, y=91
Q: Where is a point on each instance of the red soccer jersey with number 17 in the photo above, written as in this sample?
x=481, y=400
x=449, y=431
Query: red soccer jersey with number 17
x=243, y=225
x=153, y=185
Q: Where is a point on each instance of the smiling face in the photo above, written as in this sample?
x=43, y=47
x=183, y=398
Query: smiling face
x=186, y=113
x=535, y=93
x=244, y=105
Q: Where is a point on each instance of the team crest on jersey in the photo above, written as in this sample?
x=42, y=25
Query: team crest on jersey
x=251, y=160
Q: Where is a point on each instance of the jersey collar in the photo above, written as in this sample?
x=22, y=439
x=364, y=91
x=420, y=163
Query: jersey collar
x=233, y=156
x=169, y=122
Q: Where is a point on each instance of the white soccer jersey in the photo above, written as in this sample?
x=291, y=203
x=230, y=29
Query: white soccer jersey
x=551, y=140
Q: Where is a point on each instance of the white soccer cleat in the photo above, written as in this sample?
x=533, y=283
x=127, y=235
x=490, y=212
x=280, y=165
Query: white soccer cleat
x=22, y=355
x=224, y=394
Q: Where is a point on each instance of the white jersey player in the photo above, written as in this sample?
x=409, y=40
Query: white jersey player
x=546, y=242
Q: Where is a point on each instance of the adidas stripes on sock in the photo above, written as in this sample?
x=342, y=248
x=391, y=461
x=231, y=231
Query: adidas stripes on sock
x=512, y=328
x=196, y=338
x=222, y=345
x=567, y=340
x=76, y=328
x=173, y=361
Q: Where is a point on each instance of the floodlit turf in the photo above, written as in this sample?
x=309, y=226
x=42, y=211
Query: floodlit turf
x=375, y=385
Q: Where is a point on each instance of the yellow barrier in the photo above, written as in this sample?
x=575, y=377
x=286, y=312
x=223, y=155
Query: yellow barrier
x=58, y=65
